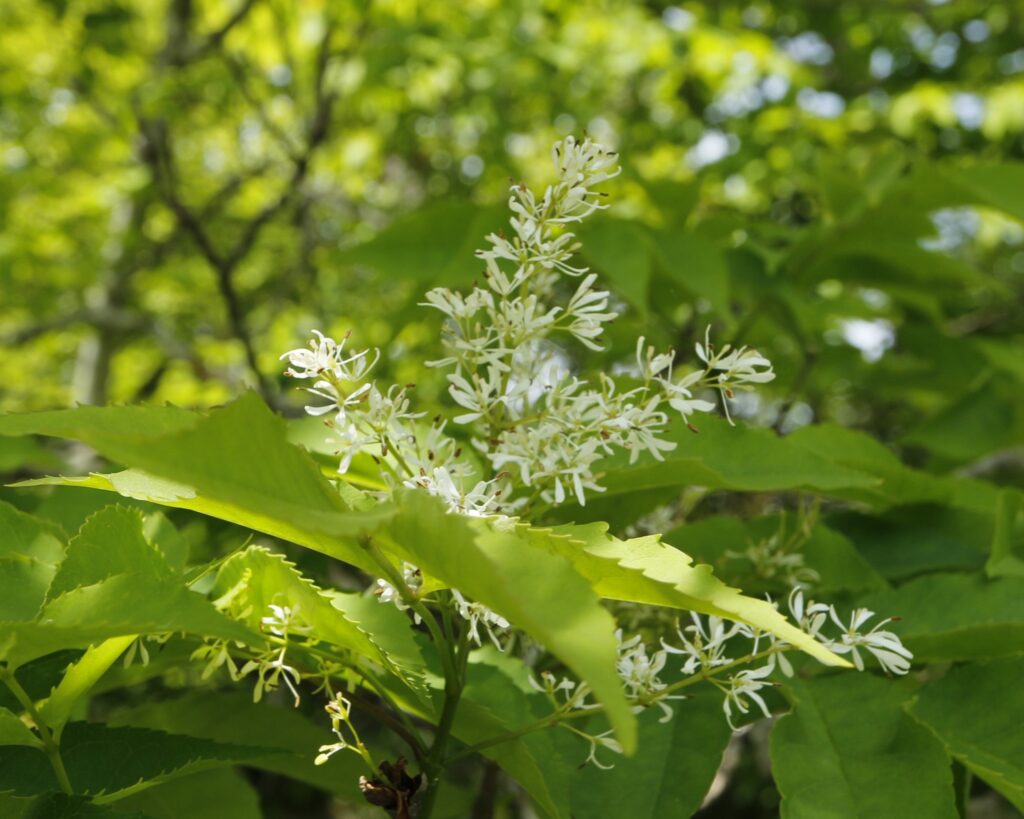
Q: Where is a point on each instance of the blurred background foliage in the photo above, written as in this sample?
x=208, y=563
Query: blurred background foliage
x=190, y=186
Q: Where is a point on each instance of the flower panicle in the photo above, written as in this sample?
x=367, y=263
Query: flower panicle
x=540, y=429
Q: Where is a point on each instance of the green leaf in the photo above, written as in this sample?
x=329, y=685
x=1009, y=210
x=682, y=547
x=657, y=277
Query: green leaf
x=897, y=484
x=99, y=423
x=670, y=774
x=62, y=806
x=620, y=251
x=269, y=578
x=235, y=464
x=392, y=634
x=955, y=616
x=14, y=732
x=695, y=263
x=645, y=570
x=115, y=761
x=434, y=244
x=848, y=751
x=718, y=539
x=13, y=807
x=974, y=425
x=79, y=680
x=539, y=592
x=29, y=553
x=159, y=531
x=117, y=607
x=110, y=542
x=292, y=739
x=976, y=711
x=543, y=762
x=39, y=677
x=908, y=541
x=24, y=453
x=69, y=510
x=217, y=794
x=726, y=457
x=675, y=200
x=999, y=186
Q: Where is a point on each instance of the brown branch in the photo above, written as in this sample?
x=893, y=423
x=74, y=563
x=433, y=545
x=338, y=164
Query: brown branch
x=238, y=72
x=160, y=156
x=214, y=39
x=107, y=317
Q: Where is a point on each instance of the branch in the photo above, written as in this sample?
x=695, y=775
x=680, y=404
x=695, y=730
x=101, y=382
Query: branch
x=161, y=159
x=238, y=71
x=216, y=37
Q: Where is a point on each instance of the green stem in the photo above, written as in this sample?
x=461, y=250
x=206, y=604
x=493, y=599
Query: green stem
x=564, y=716
x=436, y=762
x=50, y=745
x=383, y=461
x=418, y=748
x=398, y=721
x=398, y=456
x=703, y=675
x=409, y=597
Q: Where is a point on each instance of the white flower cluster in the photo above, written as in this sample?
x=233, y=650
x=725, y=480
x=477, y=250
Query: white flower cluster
x=704, y=646
x=281, y=625
x=540, y=428
x=884, y=646
x=771, y=559
x=705, y=642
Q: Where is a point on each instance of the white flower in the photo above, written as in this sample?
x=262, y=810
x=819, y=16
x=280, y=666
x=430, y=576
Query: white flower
x=271, y=670
x=352, y=440
x=810, y=618
x=885, y=646
x=324, y=356
x=771, y=560
x=283, y=620
x=479, y=501
x=639, y=671
x=316, y=359
x=733, y=368
x=339, y=710
x=455, y=305
x=413, y=579
x=651, y=364
x=704, y=646
x=745, y=685
x=468, y=396
x=604, y=740
x=477, y=614
x=680, y=396
x=588, y=310
x=565, y=694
